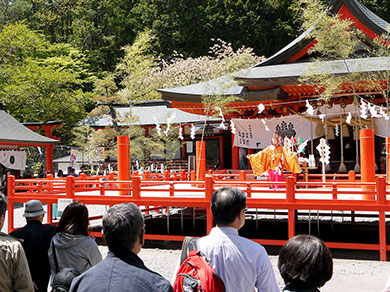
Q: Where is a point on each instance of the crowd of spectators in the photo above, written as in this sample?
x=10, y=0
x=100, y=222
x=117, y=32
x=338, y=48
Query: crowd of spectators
x=36, y=253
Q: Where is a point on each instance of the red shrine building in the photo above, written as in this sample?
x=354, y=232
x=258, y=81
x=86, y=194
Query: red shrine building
x=274, y=83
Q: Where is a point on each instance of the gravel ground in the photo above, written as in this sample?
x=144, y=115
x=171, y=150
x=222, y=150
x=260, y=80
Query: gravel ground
x=353, y=271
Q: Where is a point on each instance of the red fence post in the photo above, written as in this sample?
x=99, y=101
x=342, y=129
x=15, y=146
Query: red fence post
x=10, y=194
x=70, y=186
x=147, y=175
x=136, y=187
x=242, y=175
x=183, y=175
x=166, y=175
x=381, y=200
x=209, y=189
x=290, y=197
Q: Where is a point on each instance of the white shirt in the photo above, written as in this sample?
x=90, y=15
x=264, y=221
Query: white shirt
x=241, y=263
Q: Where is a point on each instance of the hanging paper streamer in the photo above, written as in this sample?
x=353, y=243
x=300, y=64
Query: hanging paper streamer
x=193, y=130
x=373, y=112
x=312, y=160
x=310, y=109
x=324, y=151
x=265, y=125
x=383, y=114
x=181, y=133
x=261, y=107
x=233, y=127
x=349, y=118
x=363, y=109
x=302, y=146
x=322, y=117
x=158, y=127
x=169, y=121
x=222, y=125
x=336, y=130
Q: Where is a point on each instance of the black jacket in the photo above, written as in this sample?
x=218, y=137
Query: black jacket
x=36, y=241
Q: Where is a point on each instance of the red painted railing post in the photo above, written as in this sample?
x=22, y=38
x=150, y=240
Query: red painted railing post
x=290, y=197
x=209, y=189
x=83, y=176
x=10, y=193
x=242, y=175
x=147, y=175
x=381, y=200
x=166, y=175
x=70, y=186
x=183, y=175
x=111, y=176
x=136, y=187
x=193, y=175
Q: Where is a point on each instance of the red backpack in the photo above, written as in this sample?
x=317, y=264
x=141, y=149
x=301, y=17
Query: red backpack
x=197, y=275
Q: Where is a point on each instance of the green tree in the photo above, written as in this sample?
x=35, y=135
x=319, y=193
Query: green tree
x=39, y=81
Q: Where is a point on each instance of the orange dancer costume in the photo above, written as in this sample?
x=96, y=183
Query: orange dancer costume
x=274, y=159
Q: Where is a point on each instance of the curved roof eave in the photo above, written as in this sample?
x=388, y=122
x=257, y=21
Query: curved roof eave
x=13, y=132
x=224, y=85
x=288, y=74
x=362, y=14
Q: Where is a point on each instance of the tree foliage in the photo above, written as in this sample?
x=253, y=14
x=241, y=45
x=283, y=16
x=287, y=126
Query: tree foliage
x=40, y=81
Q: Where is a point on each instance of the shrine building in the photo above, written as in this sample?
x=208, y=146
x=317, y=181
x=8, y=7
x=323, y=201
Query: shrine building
x=274, y=83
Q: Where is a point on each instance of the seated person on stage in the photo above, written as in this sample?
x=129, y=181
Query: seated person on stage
x=274, y=159
x=305, y=264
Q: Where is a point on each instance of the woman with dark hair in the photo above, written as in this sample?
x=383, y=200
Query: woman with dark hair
x=305, y=264
x=72, y=245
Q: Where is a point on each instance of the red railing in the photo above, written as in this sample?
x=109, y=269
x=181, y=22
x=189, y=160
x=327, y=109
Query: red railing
x=332, y=195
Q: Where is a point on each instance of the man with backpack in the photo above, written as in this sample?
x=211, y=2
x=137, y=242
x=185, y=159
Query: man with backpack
x=242, y=264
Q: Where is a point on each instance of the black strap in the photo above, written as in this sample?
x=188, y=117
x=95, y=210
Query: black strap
x=53, y=249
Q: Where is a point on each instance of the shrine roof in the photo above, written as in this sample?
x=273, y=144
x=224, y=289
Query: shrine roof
x=147, y=114
x=288, y=74
x=285, y=66
x=193, y=93
x=362, y=14
x=13, y=132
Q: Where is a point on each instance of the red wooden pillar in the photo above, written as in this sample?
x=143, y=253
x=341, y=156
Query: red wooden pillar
x=49, y=158
x=367, y=160
x=200, y=160
x=123, y=161
x=235, y=155
x=290, y=197
x=209, y=189
x=381, y=200
x=388, y=159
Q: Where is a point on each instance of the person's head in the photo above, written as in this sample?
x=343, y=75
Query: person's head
x=227, y=204
x=3, y=209
x=63, y=279
x=123, y=228
x=276, y=139
x=74, y=219
x=305, y=262
x=33, y=210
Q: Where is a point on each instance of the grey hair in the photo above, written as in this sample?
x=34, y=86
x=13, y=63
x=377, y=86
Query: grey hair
x=3, y=204
x=122, y=226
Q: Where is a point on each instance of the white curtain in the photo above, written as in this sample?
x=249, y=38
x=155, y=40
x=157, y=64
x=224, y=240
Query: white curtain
x=13, y=159
x=253, y=134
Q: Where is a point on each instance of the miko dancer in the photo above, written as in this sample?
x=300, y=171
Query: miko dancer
x=274, y=159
